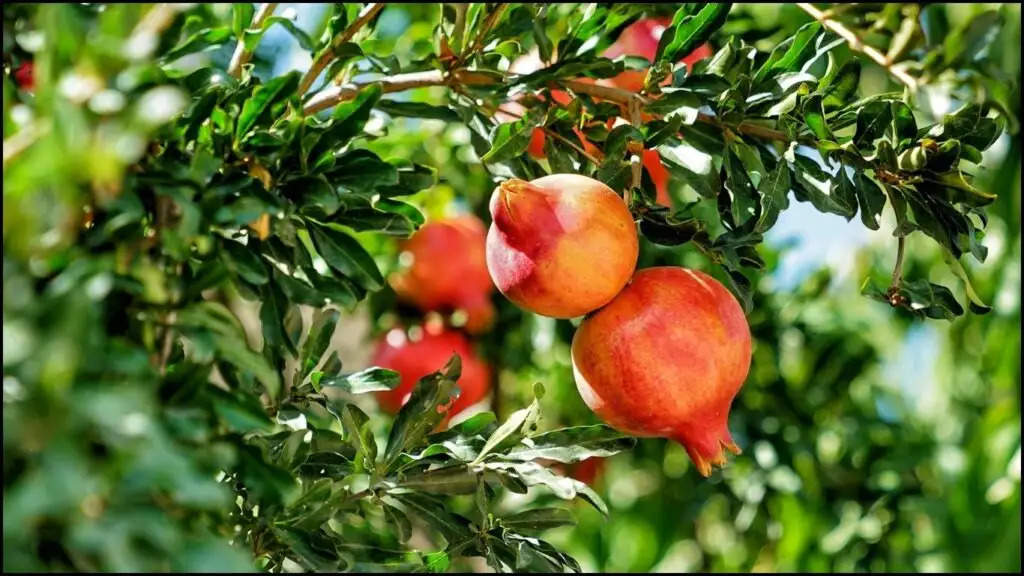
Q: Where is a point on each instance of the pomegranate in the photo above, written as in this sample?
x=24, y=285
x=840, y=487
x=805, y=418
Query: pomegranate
x=641, y=39
x=666, y=358
x=560, y=246
x=587, y=471
x=448, y=270
x=24, y=75
x=414, y=359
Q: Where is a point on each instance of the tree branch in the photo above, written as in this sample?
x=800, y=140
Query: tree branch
x=23, y=139
x=325, y=58
x=241, y=55
x=855, y=43
x=335, y=94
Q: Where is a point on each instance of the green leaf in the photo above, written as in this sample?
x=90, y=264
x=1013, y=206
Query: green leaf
x=263, y=98
x=418, y=110
x=241, y=412
x=421, y=413
x=510, y=140
x=774, y=191
x=920, y=297
x=272, y=314
x=201, y=40
x=229, y=340
x=320, y=333
x=436, y=562
x=538, y=519
x=977, y=305
x=368, y=380
x=688, y=32
x=252, y=37
x=344, y=254
x=359, y=433
x=814, y=117
x=516, y=423
x=534, y=474
x=971, y=42
x=243, y=262
x=573, y=444
x=872, y=121
x=871, y=199
x=241, y=17
x=458, y=479
x=839, y=84
x=346, y=122
x=790, y=54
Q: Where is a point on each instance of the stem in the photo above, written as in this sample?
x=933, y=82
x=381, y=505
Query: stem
x=24, y=139
x=897, y=271
x=144, y=36
x=241, y=55
x=327, y=56
x=855, y=43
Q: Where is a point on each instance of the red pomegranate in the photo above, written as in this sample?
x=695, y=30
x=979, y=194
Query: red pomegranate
x=25, y=77
x=560, y=246
x=666, y=358
x=414, y=359
x=448, y=270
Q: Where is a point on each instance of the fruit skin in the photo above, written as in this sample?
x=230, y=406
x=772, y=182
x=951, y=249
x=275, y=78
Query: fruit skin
x=641, y=39
x=449, y=270
x=24, y=75
x=560, y=246
x=587, y=471
x=666, y=358
x=415, y=359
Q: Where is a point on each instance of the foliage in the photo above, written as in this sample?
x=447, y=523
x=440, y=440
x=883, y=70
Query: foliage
x=154, y=194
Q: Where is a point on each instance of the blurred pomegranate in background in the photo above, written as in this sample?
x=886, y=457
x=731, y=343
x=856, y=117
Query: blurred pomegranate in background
x=444, y=268
x=641, y=39
x=24, y=75
x=414, y=359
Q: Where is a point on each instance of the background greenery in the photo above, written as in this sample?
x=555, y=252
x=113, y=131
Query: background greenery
x=873, y=439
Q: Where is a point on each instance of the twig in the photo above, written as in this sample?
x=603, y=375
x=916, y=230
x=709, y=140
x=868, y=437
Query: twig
x=335, y=94
x=241, y=55
x=610, y=93
x=325, y=58
x=855, y=43
x=636, y=149
x=144, y=38
x=897, y=271
x=23, y=139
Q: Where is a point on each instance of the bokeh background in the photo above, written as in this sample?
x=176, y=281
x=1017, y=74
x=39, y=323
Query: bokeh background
x=872, y=440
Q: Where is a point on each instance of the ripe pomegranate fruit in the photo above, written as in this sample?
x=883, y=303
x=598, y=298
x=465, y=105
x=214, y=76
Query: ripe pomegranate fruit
x=666, y=358
x=448, y=270
x=587, y=471
x=414, y=359
x=24, y=75
x=560, y=246
x=641, y=39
